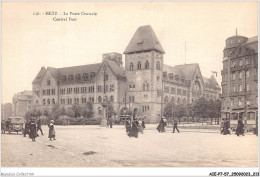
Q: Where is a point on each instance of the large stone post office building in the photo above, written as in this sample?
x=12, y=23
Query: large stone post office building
x=145, y=80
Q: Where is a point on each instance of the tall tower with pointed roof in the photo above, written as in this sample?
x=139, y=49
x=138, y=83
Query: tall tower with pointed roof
x=144, y=66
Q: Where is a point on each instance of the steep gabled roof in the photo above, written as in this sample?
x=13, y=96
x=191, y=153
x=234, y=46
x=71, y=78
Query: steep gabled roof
x=188, y=70
x=211, y=82
x=144, y=39
x=54, y=72
x=117, y=70
x=40, y=75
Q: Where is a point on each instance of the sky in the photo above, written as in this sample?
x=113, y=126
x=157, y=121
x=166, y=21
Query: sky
x=30, y=42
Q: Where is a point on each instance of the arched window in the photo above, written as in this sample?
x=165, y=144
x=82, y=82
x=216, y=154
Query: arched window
x=139, y=65
x=112, y=98
x=131, y=66
x=158, y=66
x=178, y=101
x=166, y=100
x=78, y=77
x=92, y=99
x=146, y=86
x=71, y=78
x=146, y=64
x=184, y=101
x=43, y=102
x=173, y=100
x=53, y=101
x=85, y=76
x=63, y=78
x=49, y=101
x=99, y=99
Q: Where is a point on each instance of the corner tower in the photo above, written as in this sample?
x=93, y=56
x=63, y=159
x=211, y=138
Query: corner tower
x=144, y=66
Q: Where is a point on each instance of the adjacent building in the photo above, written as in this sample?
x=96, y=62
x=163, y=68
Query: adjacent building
x=240, y=78
x=22, y=102
x=145, y=84
x=6, y=111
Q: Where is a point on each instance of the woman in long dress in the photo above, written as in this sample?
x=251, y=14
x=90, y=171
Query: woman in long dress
x=33, y=132
x=51, y=130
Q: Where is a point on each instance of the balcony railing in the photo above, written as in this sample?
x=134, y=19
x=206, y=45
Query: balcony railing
x=242, y=93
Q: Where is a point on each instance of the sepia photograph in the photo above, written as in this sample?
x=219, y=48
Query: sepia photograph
x=129, y=84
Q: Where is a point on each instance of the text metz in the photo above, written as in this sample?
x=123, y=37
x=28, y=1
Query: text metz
x=51, y=13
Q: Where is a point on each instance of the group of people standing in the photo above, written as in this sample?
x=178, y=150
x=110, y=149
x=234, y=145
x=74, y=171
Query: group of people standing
x=31, y=128
x=137, y=126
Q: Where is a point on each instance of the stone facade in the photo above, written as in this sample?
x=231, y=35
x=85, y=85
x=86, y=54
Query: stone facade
x=240, y=79
x=22, y=102
x=143, y=81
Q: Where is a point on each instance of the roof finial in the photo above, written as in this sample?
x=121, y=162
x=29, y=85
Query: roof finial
x=236, y=31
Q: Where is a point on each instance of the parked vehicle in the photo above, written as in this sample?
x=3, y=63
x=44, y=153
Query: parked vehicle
x=16, y=124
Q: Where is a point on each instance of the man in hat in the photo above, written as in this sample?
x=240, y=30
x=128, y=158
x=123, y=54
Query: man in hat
x=175, y=126
x=240, y=127
x=39, y=126
x=134, y=129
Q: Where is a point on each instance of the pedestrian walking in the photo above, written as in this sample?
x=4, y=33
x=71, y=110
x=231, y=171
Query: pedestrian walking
x=240, y=127
x=128, y=126
x=26, y=129
x=3, y=126
x=175, y=126
x=51, y=130
x=33, y=132
x=143, y=125
x=39, y=126
x=110, y=122
x=226, y=128
x=140, y=128
x=134, y=129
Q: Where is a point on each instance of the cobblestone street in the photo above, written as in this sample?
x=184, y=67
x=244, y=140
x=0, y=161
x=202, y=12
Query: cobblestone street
x=94, y=146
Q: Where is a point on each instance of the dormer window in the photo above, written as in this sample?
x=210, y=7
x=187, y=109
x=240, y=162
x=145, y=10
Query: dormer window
x=171, y=76
x=71, y=78
x=78, y=77
x=92, y=75
x=64, y=78
x=165, y=75
x=177, y=78
x=85, y=76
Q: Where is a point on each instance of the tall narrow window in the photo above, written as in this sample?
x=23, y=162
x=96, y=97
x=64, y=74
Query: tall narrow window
x=158, y=66
x=85, y=76
x=131, y=66
x=48, y=82
x=139, y=65
x=146, y=64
